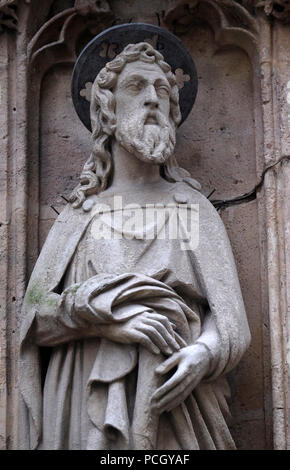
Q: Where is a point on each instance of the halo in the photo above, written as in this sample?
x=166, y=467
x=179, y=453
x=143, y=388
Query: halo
x=106, y=45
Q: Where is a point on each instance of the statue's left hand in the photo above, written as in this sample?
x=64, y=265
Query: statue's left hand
x=193, y=363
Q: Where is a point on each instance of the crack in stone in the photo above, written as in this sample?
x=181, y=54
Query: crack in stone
x=220, y=204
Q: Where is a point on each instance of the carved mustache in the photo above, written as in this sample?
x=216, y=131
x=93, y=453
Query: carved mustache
x=154, y=117
x=151, y=118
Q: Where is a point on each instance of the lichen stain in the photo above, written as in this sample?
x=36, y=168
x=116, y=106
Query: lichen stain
x=35, y=295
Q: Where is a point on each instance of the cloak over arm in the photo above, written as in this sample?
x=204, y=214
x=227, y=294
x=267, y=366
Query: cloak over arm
x=216, y=271
x=45, y=278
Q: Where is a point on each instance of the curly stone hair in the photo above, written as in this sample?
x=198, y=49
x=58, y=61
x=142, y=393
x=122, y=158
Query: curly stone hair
x=98, y=168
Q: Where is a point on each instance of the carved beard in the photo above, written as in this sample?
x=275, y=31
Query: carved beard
x=150, y=136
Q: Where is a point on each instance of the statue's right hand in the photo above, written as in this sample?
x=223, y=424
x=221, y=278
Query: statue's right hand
x=150, y=329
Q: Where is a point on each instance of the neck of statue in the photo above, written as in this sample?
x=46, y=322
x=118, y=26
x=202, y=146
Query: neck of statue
x=129, y=171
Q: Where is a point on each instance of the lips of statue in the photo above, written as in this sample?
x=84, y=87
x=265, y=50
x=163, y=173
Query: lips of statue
x=151, y=119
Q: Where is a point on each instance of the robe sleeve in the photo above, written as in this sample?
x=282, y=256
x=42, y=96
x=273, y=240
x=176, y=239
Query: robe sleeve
x=46, y=312
x=215, y=268
x=55, y=321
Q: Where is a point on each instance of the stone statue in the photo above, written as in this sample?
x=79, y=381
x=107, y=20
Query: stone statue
x=142, y=330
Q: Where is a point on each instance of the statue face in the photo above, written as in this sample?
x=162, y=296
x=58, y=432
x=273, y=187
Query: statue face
x=144, y=128
x=142, y=86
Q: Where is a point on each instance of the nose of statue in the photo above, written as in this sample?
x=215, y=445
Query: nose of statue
x=151, y=98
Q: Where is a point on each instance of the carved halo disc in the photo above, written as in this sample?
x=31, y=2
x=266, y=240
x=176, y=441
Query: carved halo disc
x=106, y=45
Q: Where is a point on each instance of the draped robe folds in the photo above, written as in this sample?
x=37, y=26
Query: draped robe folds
x=96, y=393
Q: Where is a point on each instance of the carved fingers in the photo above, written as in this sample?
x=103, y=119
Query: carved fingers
x=150, y=329
x=175, y=396
x=160, y=330
x=154, y=331
x=192, y=364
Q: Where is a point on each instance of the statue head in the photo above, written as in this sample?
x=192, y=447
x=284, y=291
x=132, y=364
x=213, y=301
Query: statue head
x=134, y=100
x=146, y=105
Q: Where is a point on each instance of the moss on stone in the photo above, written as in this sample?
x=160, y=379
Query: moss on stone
x=52, y=302
x=74, y=289
x=35, y=295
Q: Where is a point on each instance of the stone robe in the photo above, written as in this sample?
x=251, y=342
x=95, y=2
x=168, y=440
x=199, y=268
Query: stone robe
x=96, y=393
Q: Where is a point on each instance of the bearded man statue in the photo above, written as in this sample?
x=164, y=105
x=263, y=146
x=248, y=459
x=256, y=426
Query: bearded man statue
x=142, y=332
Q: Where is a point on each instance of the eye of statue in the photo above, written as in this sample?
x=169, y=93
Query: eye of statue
x=162, y=91
x=135, y=86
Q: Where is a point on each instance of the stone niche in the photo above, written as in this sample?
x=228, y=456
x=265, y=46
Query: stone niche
x=226, y=143
x=217, y=145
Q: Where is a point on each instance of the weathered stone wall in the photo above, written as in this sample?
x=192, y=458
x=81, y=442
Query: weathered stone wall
x=239, y=127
